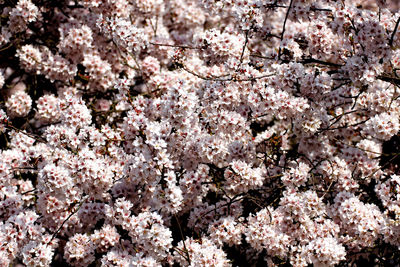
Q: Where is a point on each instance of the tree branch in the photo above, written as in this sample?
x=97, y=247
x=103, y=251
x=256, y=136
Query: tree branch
x=284, y=26
x=394, y=32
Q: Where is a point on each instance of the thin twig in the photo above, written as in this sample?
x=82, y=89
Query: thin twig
x=383, y=166
x=340, y=85
x=27, y=192
x=274, y=6
x=261, y=56
x=232, y=77
x=6, y=47
x=254, y=78
x=342, y=127
x=204, y=77
x=36, y=137
x=177, y=46
x=365, y=150
x=394, y=32
x=243, y=49
x=320, y=9
x=69, y=216
x=284, y=26
x=304, y=61
x=346, y=113
x=313, y=60
x=154, y=28
x=183, y=240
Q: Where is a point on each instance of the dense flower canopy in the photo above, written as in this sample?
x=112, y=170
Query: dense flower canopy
x=199, y=132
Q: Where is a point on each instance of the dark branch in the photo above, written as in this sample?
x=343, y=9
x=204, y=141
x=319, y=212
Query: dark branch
x=394, y=32
x=284, y=25
x=177, y=46
x=313, y=60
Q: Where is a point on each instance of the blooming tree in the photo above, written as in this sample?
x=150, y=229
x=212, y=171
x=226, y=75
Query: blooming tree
x=199, y=132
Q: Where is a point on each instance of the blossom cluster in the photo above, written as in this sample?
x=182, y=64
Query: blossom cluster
x=199, y=133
